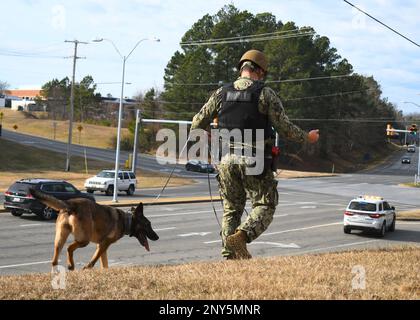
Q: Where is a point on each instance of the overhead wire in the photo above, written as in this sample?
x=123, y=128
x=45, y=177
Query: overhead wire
x=259, y=35
x=382, y=23
x=268, y=81
x=245, y=40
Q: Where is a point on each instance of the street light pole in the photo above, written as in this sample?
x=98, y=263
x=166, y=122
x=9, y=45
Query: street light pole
x=136, y=133
x=117, y=153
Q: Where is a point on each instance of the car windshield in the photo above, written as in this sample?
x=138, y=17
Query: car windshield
x=362, y=206
x=106, y=174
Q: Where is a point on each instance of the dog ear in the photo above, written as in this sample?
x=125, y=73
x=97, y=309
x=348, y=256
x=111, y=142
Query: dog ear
x=139, y=210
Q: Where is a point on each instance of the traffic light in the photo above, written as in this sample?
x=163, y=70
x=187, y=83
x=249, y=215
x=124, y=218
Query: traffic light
x=413, y=129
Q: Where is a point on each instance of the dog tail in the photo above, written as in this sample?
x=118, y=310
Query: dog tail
x=49, y=201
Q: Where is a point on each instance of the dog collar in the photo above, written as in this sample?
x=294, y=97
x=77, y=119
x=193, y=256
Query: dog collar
x=128, y=218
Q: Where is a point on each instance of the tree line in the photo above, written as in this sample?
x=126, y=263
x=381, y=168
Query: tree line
x=347, y=107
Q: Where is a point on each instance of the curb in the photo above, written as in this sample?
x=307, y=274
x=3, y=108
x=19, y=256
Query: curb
x=167, y=201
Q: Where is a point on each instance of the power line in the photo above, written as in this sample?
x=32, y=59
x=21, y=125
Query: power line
x=291, y=99
x=385, y=25
x=346, y=120
x=330, y=95
x=23, y=55
x=249, y=36
x=33, y=53
x=269, y=81
x=274, y=37
x=310, y=79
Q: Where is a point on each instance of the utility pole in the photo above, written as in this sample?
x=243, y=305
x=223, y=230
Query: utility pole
x=75, y=57
x=136, y=133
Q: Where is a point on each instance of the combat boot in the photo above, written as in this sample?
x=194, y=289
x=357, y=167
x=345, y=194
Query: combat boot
x=237, y=244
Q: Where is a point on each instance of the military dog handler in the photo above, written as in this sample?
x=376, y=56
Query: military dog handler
x=248, y=104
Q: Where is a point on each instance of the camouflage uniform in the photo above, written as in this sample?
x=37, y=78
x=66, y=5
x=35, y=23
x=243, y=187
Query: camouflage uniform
x=235, y=185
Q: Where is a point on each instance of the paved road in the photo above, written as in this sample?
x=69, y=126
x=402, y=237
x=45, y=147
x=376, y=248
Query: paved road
x=308, y=220
x=394, y=166
x=305, y=222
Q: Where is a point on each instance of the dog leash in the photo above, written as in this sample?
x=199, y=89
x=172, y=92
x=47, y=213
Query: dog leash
x=172, y=172
x=211, y=200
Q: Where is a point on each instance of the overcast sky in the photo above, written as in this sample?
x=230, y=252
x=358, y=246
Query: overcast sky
x=39, y=27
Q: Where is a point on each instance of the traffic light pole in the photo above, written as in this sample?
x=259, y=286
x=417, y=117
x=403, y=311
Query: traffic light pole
x=418, y=166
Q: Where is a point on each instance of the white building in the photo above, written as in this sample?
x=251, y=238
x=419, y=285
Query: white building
x=22, y=100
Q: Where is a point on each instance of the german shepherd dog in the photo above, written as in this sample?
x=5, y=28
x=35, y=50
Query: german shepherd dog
x=91, y=222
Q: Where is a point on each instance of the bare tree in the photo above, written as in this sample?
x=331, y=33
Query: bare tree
x=3, y=87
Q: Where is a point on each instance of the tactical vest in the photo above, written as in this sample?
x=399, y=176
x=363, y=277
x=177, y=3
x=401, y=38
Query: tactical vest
x=239, y=110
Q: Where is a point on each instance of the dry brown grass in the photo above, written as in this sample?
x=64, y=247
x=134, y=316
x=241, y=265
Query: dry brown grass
x=91, y=135
x=390, y=274
x=144, y=178
x=18, y=162
x=409, y=215
x=291, y=174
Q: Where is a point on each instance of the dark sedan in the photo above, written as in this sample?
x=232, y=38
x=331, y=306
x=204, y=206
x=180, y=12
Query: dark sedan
x=199, y=166
x=406, y=161
x=18, y=200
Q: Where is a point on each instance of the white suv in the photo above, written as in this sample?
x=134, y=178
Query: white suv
x=369, y=213
x=411, y=148
x=104, y=181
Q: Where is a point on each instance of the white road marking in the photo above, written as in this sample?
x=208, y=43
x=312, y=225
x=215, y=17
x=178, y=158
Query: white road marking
x=301, y=229
x=202, y=234
x=170, y=170
x=288, y=204
x=280, y=215
x=31, y=225
x=285, y=231
x=277, y=244
x=24, y=264
x=164, y=229
x=308, y=207
x=334, y=204
x=214, y=241
x=179, y=214
x=168, y=209
x=339, y=246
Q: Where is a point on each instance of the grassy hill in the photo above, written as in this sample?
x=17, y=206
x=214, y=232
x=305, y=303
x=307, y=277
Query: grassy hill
x=390, y=274
x=34, y=124
x=19, y=161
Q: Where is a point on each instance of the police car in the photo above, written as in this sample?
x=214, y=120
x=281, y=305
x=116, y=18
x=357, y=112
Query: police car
x=370, y=213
